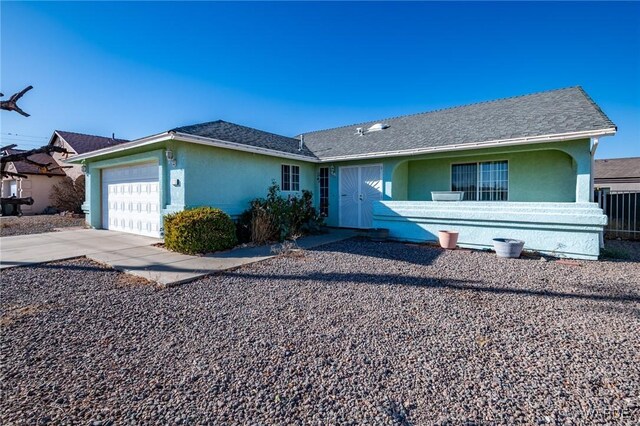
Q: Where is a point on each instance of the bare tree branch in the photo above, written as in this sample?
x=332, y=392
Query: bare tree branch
x=11, y=174
x=4, y=148
x=60, y=168
x=47, y=149
x=24, y=156
x=12, y=103
x=35, y=163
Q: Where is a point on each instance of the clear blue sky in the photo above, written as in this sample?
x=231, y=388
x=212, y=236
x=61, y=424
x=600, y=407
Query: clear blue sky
x=141, y=68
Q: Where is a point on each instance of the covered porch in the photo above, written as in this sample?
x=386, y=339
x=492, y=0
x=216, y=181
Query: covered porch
x=536, y=193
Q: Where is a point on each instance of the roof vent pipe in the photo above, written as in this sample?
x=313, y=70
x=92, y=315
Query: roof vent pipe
x=360, y=131
x=113, y=136
x=377, y=127
x=301, y=143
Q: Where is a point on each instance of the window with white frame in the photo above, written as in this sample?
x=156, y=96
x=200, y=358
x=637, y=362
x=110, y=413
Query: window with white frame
x=290, y=178
x=484, y=181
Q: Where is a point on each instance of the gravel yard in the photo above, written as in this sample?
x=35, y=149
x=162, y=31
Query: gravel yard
x=352, y=332
x=14, y=225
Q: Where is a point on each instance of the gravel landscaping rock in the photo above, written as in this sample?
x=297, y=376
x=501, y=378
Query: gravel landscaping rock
x=622, y=250
x=14, y=225
x=352, y=332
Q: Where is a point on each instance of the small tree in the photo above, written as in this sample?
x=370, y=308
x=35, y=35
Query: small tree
x=68, y=195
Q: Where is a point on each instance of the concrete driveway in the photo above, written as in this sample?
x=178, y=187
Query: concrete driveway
x=136, y=254
x=22, y=250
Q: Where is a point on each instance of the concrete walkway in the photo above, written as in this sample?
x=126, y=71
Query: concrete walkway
x=136, y=254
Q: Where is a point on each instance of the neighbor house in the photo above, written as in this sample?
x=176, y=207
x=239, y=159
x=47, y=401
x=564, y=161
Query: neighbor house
x=618, y=174
x=38, y=182
x=523, y=165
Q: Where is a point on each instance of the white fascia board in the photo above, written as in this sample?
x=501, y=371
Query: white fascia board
x=53, y=136
x=121, y=147
x=477, y=145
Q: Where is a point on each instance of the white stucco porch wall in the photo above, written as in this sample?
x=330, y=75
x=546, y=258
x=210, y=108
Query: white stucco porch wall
x=570, y=230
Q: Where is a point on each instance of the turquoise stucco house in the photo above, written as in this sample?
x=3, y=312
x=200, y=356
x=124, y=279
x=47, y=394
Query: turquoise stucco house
x=522, y=165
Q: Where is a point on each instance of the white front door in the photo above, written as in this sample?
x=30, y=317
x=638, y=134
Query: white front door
x=131, y=199
x=360, y=187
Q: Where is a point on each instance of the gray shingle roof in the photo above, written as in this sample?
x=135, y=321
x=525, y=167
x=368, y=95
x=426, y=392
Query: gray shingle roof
x=618, y=168
x=546, y=113
x=82, y=143
x=231, y=132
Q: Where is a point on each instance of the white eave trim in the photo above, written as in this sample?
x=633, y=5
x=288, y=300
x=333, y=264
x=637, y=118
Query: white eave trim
x=121, y=147
x=476, y=145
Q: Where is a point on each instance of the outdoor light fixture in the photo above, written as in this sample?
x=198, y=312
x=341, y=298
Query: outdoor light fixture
x=83, y=168
x=332, y=170
x=169, y=154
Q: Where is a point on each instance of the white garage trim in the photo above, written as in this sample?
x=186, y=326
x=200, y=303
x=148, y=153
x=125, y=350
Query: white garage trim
x=131, y=199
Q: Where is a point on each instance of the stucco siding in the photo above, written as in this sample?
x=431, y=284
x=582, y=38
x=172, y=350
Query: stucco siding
x=74, y=170
x=559, y=229
x=37, y=187
x=546, y=176
x=229, y=179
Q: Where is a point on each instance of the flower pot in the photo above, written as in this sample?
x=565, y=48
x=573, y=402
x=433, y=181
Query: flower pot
x=448, y=239
x=447, y=195
x=378, y=234
x=506, y=247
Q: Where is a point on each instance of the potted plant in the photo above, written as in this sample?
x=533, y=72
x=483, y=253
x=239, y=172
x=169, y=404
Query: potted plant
x=448, y=239
x=507, y=247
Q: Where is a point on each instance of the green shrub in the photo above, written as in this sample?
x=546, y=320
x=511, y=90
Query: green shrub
x=276, y=218
x=200, y=230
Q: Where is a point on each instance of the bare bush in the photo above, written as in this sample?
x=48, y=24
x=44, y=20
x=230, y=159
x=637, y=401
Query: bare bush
x=68, y=195
x=263, y=227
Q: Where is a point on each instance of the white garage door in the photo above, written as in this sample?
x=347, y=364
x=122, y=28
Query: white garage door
x=131, y=199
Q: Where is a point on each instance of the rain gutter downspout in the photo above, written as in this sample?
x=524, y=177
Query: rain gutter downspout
x=594, y=146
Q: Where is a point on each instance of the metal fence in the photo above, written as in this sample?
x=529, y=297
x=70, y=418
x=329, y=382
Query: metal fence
x=623, y=211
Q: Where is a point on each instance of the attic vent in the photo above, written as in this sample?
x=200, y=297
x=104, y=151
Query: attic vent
x=377, y=127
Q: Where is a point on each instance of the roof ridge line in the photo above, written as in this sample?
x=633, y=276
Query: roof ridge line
x=457, y=107
x=235, y=124
x=88, y=134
